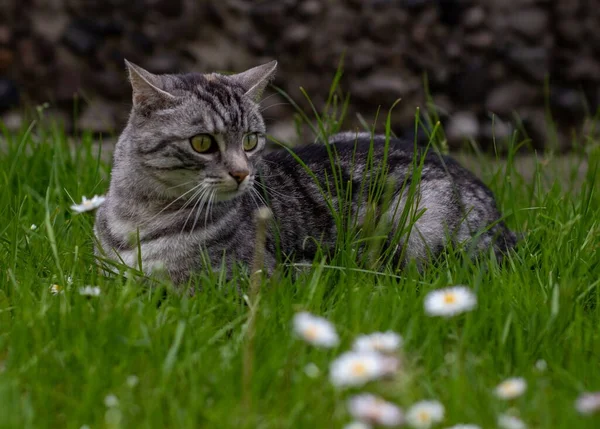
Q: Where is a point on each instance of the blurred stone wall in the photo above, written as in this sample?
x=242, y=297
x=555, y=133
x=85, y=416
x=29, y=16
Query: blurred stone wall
x=480, y=57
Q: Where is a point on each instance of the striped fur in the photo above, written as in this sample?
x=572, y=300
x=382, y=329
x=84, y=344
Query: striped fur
x=184, y=210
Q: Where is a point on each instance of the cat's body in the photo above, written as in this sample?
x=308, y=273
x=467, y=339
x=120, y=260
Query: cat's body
x=165, y=188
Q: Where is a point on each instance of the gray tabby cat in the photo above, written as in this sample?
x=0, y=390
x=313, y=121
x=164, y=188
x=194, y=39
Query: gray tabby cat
x=189, y=172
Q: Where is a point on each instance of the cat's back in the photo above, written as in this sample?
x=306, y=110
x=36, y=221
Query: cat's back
x=362, y=153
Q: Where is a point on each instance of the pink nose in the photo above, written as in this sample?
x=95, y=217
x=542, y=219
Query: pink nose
x=239, y=176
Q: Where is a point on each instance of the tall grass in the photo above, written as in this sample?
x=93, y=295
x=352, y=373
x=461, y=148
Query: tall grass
x=174, y=360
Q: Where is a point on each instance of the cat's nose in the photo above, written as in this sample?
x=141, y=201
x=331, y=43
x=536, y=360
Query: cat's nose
x=239, y=176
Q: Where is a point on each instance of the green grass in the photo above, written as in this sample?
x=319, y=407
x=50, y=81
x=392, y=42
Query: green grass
x=62, y=355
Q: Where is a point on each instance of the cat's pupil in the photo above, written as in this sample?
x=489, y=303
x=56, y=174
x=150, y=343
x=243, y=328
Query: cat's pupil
x=202, y=143
x=250, y=141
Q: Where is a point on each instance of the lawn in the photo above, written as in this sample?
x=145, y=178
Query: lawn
x=136, y=356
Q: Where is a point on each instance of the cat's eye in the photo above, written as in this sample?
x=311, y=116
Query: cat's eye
x=203, y=143
x=250, y=141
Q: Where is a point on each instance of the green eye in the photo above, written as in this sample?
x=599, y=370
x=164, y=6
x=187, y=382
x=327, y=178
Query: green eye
x=203, y=143
x=250, y=141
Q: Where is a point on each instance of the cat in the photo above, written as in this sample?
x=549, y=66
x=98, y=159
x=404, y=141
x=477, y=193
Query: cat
x=190, y=170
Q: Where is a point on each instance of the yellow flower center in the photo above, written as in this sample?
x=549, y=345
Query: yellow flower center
x=423, y=416
x=509, y=388
x=311, y=333
x=449, y=298
x=359, y=368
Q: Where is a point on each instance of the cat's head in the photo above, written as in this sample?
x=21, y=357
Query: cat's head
x=198, y=133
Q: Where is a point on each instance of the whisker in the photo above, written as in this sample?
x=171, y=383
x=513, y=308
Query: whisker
x=173, y=202
x=268, y=97
x=273, y=105
x=181, y=184
x=209, y=207
x=199, y=198
x=274, y=193
x=201, y=207
x=260, y=197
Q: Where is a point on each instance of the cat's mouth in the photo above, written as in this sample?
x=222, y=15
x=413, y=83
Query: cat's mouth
x=227, y=192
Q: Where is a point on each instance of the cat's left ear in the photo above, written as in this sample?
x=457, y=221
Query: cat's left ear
x=255, y=80
x=147, y=88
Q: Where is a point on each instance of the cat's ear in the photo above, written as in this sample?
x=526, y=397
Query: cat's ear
x=146, y=87
x=255, y=80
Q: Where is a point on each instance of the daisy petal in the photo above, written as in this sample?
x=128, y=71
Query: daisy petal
x=315, y=330
x=450, y=301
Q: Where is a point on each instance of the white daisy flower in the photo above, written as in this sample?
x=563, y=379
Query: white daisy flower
x=357, y=425
x=541, y=365
x=56, y=289
x=111, y=401
x=384, y=342
x=132, y=381
x=588, y=403
x=357, y=368
x=315, y=330
x=450, y=301
x=89, y=291
x=371, y=409
x=311, y=370
x=511, y=388
x=33, y=227
x=506, y=421
x=425, y=414
x=464, y=426
x=88, y=205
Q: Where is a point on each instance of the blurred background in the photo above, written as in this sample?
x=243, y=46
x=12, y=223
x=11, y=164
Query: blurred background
x=491, y=66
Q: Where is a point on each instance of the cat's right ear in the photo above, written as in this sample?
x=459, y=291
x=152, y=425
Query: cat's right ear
x=146, y=87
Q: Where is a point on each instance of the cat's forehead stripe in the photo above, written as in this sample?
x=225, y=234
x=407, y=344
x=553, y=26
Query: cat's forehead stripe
x=221, y=95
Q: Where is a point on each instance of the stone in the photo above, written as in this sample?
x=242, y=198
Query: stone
x=496, y=129
x=531, y=23
x=167, y=8
x=284, y=131
x=55, y=117
x=415, y=4
x=111, y=83
x=9, y=94
x=567, y=8
x=474, y=17
x=297, y=34
x=310, y=8
x=471, y=83
x=570, y=30
x=481, y=40
x=6, y=58
x=68, y=81
x=383, y=26
x=12, y=120
x=461, y=126
x=536, y=127
x=450, y=11
x=163, y=62
x=26, y=52
x=508, y=97
x=80, y=39
x=385, y=87
x=48, y=24
x=532, y=61
x=361, y=60
x=5, y=34
x=584, y=68
x=98, y=117
x=567, y=101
